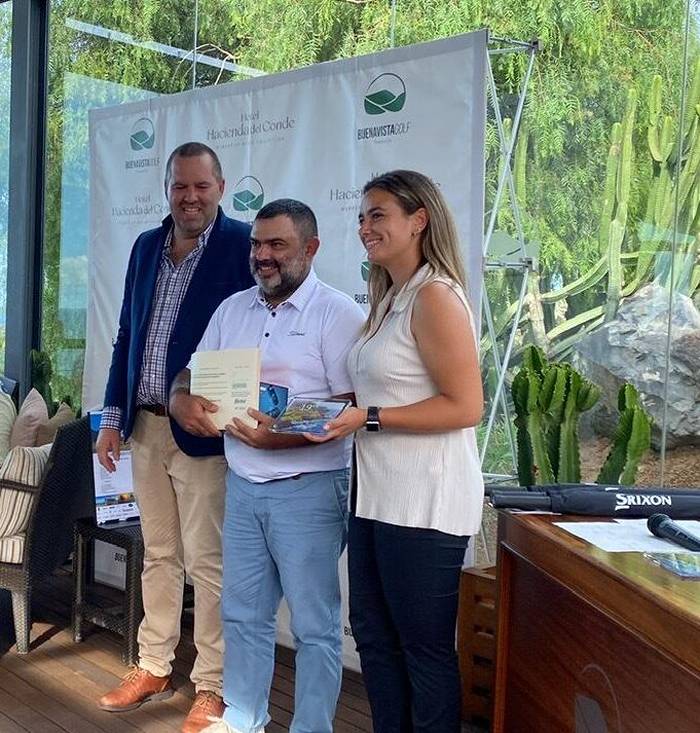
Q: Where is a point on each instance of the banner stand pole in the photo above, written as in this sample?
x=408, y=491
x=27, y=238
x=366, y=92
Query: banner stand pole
x=520, y=261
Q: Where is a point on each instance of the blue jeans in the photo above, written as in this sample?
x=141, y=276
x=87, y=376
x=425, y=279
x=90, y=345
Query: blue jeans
x=283, y=538
x=404, y=586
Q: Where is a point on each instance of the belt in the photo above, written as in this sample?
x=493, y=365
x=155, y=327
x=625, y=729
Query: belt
x=159, y=410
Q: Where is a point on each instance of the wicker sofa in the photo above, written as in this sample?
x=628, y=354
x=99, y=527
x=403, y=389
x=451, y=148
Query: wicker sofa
x=64, y=494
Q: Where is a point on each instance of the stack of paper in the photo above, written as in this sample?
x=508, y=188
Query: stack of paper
x=229, y=378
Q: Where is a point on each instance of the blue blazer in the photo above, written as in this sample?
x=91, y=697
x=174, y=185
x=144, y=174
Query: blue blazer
x=222, y=271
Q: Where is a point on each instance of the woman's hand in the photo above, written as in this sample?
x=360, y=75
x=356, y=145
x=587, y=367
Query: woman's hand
x=350, y=420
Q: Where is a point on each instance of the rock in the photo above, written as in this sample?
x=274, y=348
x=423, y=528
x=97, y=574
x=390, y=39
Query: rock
x=632, y=348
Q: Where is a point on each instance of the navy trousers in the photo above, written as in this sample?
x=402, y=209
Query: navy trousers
x=404, y=585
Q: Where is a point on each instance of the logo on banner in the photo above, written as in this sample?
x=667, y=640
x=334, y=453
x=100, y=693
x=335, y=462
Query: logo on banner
x=248, y=194
x=363, y=298
x=142, y=138
x=387, y=93
x=143, y=135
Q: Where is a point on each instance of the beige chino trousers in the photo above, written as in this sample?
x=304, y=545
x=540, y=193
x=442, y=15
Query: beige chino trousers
x=181, y=501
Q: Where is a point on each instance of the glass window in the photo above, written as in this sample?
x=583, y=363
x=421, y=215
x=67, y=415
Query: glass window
x=596, y=204
x=672, y=233
x=98, y=56
x=600, y=150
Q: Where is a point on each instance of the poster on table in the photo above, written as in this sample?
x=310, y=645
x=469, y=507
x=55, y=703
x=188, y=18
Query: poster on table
x=316, y=134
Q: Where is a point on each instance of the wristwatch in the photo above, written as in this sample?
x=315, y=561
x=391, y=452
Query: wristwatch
x=373, y=423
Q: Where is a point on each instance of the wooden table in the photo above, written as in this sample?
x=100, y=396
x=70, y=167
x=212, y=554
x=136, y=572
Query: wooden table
x=591, y=641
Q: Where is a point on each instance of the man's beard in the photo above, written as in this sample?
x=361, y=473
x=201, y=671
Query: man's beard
x=288, y=282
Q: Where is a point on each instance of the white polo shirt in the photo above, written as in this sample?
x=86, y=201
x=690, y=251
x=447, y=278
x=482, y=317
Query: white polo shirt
x=304, y=344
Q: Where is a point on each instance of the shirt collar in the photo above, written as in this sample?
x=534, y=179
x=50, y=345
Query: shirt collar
x=202, y=239
x=298, y=299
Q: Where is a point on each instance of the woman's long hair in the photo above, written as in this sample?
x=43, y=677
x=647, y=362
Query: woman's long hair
x=439, y=241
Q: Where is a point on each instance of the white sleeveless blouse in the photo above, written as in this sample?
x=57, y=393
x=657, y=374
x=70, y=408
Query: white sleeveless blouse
x=429, y=480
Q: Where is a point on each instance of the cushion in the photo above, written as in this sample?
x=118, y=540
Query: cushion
x=12, y=549
x=8, y=413
x=47, y=430
x=25, y=465
x=32, y=413
x=15, y=508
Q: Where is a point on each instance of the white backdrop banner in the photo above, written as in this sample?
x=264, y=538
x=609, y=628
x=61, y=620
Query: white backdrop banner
x=316, y=134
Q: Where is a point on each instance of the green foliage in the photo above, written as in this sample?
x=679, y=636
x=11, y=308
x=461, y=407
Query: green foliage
x=592, y=52
x=570, y=112
x=631, y=440
x=41, y=378
x=499, y=456
x=632, y=252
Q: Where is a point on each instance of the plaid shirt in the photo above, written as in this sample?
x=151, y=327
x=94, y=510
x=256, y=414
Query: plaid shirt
x=171, y=286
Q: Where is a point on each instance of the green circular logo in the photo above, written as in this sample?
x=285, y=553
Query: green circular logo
x=248, y=194
x=364, y=270
x=387, y=93
x=142, y=135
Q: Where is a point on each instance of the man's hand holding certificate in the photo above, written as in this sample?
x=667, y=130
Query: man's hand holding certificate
x=229, y=378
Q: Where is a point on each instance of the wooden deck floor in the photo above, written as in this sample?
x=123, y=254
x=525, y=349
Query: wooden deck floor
x=54, y=688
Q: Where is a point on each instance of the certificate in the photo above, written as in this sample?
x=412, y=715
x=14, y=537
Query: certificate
x=229, y=378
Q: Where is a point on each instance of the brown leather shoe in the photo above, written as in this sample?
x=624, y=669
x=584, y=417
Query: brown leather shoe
x=206, y=706
x=137, y=687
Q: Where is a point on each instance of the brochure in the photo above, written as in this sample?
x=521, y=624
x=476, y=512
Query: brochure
x=308, y=415
x=114, y=492
x=231, y=379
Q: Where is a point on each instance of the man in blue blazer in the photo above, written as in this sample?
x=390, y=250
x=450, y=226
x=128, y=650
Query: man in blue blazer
x=177, y=276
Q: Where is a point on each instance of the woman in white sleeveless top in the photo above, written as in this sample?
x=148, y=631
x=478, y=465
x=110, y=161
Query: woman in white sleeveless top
x=418, y=490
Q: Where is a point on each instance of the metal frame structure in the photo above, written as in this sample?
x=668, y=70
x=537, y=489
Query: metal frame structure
x=179, y=53
x=521, y=262
x=29, y=82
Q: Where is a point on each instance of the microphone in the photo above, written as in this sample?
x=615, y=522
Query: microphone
x=663, y=526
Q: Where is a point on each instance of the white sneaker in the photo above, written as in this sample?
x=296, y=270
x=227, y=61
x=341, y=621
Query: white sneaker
x=219, y=725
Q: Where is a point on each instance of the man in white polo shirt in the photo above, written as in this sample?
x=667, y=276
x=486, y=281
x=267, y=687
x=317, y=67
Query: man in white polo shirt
x=286, y=498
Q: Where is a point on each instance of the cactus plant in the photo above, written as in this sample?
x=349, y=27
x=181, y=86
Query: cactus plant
x=549, y=399
x=622, y=149
x=628, y=255
x=630, y=442
x=533, y=461
x=581, y=396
